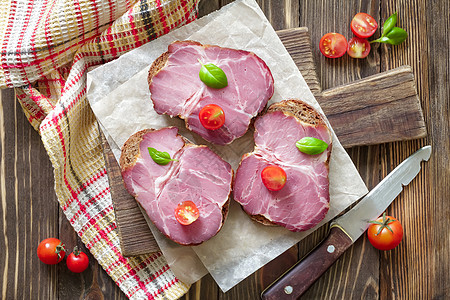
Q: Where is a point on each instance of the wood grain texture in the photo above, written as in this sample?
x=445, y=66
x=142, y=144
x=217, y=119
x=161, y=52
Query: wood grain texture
x=384, y=105
x=134, y=233
x=417, y=269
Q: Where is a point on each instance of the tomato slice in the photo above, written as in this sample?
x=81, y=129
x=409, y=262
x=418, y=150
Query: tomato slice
x=186, y=212
x=273, y=178
x=333, y=45
x=212, y=116
x=358, y=47
x=363, y=25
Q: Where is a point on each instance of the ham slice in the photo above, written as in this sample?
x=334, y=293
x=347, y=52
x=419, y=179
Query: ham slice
x=198, y=175
x=176, y=89
x=304, y=201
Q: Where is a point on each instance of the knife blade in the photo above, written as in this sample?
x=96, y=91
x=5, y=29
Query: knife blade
x=345, y=230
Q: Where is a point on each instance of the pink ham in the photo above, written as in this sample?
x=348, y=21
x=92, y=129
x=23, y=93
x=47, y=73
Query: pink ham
x=177, y=90
x=199, y=175
x=304, y=201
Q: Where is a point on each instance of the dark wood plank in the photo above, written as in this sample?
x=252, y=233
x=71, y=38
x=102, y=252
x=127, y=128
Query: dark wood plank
x=29, y=210
x=134, y=233
x=377, y=109
x=206, y=7
x=434, y=185
x=298, y=44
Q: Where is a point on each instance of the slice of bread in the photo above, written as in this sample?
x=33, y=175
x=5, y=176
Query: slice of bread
x=303, y=112
x=129, y=157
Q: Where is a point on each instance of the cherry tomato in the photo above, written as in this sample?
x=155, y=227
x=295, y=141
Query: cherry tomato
x=212, y=116
x=51, y=251
x=358, y=47
x=186, y=212
x=333, y=45
x=273, y=178
x=385, y=233
x=77, y=261
x=363, y=25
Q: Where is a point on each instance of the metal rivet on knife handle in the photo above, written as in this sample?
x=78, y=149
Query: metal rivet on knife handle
x=288, y=289
x=330, y=249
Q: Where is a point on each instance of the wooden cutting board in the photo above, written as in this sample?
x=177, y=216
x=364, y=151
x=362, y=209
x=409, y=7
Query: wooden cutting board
x=377, y=109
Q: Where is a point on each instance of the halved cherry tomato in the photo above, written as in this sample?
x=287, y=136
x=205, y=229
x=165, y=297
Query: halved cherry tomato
x=333, y=45
x=358, y=47
x=212, y=116
x=51, y=251
x=186, y=212
x=363, y=25
x=77, y=261
x=273, y=178
x=385, y=233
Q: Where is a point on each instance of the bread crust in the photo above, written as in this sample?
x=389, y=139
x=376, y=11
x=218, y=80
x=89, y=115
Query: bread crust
x=161, y=62
x=157, y=65
x=304, y=113
x=130, y=150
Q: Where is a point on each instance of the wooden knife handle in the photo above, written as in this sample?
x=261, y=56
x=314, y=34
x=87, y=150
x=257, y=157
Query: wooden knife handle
x=302, y=275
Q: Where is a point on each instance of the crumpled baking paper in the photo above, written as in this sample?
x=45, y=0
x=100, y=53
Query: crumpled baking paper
x=119, y=96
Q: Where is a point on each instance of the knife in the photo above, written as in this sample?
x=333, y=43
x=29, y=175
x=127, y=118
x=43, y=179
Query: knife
x=345, y=230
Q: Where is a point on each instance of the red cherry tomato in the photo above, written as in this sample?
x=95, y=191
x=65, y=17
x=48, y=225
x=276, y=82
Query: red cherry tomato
x=77, y=261
x=333, y=45
x=358, y=48
x=385, y=233
x=273, y=178
x=363, y=25
x=212, y=116
x=51, y=251
x=186, y=212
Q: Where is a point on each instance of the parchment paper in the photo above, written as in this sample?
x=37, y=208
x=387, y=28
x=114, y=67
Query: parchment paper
x=120, y=98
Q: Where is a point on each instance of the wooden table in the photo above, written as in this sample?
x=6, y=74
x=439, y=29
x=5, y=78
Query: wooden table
x=418, y=269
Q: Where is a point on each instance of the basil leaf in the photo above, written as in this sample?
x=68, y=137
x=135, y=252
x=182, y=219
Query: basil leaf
x=213, y=76
x=161, y=158
x=396, y=36
x=389, y=24
x=310, y=145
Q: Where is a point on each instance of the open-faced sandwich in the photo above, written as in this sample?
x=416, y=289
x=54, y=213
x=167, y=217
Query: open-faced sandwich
x=217, y=91
x=183, y=188
x=284, y=181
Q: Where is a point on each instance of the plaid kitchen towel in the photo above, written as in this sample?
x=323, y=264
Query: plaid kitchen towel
x=47, y=48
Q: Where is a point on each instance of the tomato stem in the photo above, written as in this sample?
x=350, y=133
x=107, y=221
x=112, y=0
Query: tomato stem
x=76, y=251
x=383, y=224
x=59, y=248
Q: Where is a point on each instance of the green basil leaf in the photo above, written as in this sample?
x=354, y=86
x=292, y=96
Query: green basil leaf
x=161, y=158
x=389, y=24
x=310, y=145
x=396, y=36
x=213, y=76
